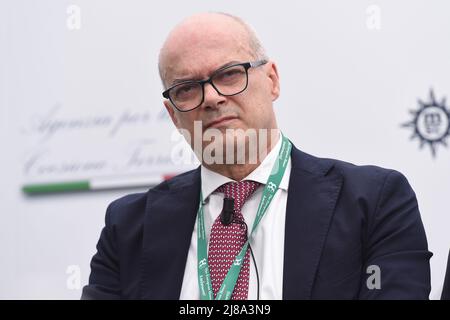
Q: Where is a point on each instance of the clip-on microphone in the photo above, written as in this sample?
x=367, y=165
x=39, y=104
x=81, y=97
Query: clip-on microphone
x=227, y=215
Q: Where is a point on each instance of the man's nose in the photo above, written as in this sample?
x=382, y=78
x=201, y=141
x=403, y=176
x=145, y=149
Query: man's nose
x=213, y=98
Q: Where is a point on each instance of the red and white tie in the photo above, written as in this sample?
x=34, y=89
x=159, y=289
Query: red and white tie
x=227, y=241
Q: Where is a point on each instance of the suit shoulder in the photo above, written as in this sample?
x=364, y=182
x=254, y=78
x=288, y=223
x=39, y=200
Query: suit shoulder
x=126, y=208
x=369, y=178
x=132, y=207
x=353, y=174
x=348, y=169
x=182, y=180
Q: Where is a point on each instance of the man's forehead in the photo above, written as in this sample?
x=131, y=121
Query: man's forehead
x=202, y=72
x=203, y=63
x=200, y=61
x=201, y=44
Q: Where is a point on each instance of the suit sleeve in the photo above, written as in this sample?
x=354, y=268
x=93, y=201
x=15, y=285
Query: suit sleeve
x=104, y=280
x=396, y=248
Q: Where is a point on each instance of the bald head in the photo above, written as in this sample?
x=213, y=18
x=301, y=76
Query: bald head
x=198, y=34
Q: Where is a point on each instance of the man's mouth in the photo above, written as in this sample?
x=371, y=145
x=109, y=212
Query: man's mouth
x=220, y=122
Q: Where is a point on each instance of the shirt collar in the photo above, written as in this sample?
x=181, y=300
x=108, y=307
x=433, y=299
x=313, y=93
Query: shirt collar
x=212, y=180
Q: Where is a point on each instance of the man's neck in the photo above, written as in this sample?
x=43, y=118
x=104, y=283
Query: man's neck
x=238, y=172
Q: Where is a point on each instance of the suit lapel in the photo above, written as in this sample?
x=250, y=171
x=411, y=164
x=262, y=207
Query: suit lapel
x=312, y=196
x=168, y=225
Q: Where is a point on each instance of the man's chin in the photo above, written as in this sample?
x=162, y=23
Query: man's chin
x=229, y=146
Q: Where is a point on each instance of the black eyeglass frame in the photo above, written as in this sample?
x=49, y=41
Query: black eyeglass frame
x=246, y=65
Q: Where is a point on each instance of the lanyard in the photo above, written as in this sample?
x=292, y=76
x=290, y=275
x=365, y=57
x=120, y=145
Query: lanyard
x=271, y=187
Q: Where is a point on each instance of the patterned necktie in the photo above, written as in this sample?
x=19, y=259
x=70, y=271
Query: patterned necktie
x=227, y=241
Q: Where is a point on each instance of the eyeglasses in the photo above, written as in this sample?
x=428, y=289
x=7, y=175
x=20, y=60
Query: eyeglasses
x=227, y=81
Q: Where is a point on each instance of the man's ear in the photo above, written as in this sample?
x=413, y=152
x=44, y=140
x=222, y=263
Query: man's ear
x=272, y=73
x=171, y=112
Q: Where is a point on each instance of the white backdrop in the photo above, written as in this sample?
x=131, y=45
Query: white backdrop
x=81, y=98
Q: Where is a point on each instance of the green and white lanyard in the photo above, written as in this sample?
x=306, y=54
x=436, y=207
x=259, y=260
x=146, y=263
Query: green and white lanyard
x=271, y=187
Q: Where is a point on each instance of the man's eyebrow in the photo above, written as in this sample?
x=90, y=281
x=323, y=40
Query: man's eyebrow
x=180, y=80
x=227, y=65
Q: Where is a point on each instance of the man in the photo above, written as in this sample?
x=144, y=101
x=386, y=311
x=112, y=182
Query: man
x=326, y=229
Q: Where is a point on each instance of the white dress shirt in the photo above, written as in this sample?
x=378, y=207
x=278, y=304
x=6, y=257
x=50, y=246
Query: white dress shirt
x=267, y=241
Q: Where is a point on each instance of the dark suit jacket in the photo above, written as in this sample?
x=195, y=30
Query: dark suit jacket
x=340, y=219
x=445, y=295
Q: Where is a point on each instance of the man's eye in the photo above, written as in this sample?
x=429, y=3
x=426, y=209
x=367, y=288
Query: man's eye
x=186, y=88
x=232, y=73
x=185, y=91
x=229, y=75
